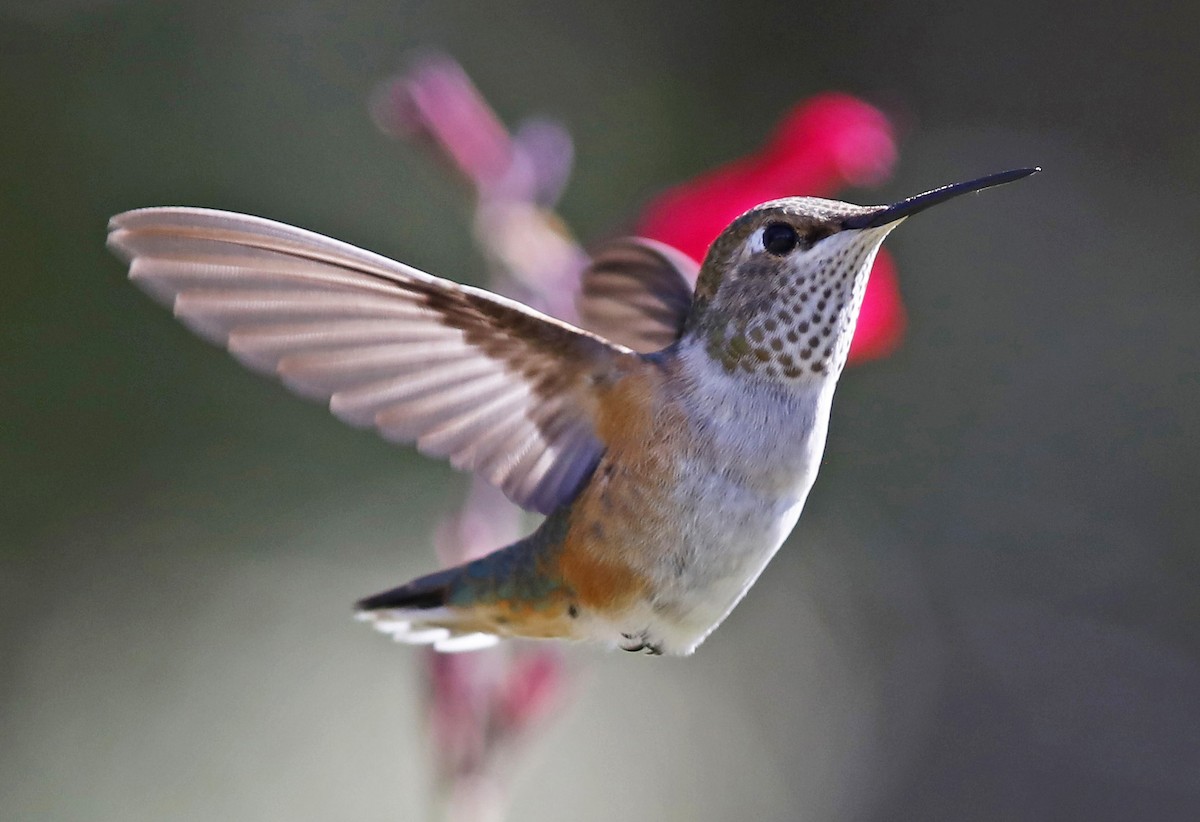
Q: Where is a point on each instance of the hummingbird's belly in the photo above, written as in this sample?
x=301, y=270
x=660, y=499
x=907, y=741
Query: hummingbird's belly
x=732, y=532
x=736, y=490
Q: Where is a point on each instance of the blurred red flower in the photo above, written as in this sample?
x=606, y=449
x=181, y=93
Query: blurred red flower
x=824, y=144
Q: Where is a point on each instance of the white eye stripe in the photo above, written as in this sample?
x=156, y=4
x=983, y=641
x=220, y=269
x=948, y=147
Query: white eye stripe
x=755, y=243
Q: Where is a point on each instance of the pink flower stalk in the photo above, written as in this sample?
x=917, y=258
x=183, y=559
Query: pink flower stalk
x=437, y=103
x=484, y=704
x=822, y=145
x=517, y=178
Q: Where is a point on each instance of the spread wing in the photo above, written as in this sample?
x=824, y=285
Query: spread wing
x=494, y=386
x=637, y=292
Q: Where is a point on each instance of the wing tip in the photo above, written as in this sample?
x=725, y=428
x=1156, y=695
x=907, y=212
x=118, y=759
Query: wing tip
x=354, y=415
x=116, y=242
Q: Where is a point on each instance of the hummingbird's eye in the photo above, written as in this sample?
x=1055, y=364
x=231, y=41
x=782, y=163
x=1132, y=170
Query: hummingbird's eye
x=780, y=239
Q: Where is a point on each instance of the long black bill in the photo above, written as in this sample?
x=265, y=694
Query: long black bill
x=909, y=207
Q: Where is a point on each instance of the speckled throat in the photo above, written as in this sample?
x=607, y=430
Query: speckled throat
x=785, y=317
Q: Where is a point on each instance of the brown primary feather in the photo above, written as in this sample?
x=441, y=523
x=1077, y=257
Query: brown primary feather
x=493, y=385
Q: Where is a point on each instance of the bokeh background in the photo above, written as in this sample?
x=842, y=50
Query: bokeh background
x=990, y=610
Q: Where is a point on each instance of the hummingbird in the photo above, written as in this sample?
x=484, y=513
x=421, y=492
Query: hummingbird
x=671, y=446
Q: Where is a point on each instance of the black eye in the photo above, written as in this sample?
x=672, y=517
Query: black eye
x=780, y=239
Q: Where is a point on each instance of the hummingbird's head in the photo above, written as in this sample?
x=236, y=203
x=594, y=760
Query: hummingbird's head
x=780, y=289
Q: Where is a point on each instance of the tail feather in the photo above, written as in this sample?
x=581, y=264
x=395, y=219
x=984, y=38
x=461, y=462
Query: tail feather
x=416, y=614
x=509, y=592
x=422, y=594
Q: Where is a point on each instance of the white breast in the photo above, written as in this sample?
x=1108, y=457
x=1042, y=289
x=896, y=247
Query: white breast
x=756, y=451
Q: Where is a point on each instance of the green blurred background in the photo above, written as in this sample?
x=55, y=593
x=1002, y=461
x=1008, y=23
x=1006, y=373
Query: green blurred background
x=989, y=611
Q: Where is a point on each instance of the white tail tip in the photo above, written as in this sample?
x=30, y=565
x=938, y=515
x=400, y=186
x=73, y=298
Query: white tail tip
x=411, y=629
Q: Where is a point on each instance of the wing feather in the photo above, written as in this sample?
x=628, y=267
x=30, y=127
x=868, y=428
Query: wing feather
x=486, y=382
x=637, y=292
